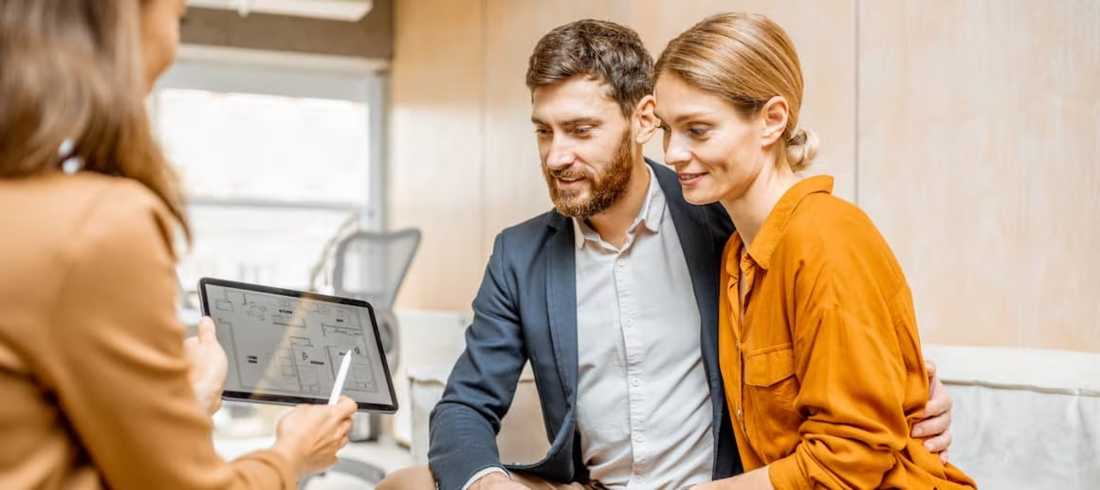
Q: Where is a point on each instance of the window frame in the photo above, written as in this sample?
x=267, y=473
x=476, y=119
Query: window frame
x=293, y=75
x=287, y=74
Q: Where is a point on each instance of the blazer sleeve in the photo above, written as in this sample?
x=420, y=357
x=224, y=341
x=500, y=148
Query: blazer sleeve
x=116, y=359
x=465, y=422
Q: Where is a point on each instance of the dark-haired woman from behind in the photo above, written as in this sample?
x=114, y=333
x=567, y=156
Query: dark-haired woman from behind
x=97, y=386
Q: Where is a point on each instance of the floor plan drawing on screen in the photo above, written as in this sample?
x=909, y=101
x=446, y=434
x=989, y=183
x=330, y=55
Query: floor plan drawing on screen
x=294, y=346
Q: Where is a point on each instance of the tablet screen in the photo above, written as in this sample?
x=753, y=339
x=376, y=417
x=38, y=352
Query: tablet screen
x=286, y=346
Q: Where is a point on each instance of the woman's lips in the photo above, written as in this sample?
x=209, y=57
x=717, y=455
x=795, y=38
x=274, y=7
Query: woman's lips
x=691, y=178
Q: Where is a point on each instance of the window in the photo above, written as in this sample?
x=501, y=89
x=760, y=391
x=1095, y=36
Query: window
x=274, y=160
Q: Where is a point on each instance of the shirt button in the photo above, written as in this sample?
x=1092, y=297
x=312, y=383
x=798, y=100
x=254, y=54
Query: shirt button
x=619, y=262
x=636, y=382
x=738, y=345
x=639, y=438
x=738, y=414
x=630, y=323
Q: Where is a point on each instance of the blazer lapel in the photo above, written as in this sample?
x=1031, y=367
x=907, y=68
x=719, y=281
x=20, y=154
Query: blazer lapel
x=561, y=299
x=697, y=239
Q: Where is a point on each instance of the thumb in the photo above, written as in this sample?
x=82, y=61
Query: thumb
x=207, y=330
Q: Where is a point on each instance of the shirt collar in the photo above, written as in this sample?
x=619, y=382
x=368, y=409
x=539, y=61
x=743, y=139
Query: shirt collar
x=774, y=225
x=651, y=214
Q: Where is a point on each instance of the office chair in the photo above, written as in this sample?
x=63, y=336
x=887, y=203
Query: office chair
x=359, y=470
x=371, y=266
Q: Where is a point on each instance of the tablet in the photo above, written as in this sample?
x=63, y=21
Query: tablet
x=285, y=346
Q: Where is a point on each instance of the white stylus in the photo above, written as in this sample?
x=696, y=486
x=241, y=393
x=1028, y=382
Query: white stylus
x=340, y=377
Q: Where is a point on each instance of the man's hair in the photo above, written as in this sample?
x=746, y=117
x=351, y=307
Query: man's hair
x=610, y=53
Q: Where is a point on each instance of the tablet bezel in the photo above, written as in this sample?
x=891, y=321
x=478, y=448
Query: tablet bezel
x=290, y=399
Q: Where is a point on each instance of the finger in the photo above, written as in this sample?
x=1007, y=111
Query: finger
x=939, y=402
x=939, y=443
x=932, y=426
x=943, y=457
x=207, y=330
x=346, y=406
x=930, y=368
x=344, y=428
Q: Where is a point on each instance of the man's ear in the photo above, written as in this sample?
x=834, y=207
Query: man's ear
x=645, y=121
x=774, y=118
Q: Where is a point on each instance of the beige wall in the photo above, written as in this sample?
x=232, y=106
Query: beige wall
x=979, y=158
x=968, y=130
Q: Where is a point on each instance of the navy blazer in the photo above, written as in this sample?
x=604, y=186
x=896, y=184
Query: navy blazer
x=526, y=310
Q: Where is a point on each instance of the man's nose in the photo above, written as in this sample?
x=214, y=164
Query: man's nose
x=561, y=155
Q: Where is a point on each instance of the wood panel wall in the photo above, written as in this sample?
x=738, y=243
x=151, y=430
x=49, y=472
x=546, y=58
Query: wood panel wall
x=968, y=130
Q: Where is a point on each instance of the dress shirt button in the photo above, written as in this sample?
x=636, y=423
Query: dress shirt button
x=636, y=382
x=630, y=323
x=619, y=262
x=738, y=414
x=639, y=438
x=738, y=345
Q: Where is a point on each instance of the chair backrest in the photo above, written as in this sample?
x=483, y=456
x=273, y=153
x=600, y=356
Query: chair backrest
x=372, y=265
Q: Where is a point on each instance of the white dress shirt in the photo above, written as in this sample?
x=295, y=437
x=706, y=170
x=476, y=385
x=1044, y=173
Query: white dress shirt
x=643, y=404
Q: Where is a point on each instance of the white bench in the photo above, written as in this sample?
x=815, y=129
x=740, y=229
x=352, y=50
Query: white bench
x=1023, y=418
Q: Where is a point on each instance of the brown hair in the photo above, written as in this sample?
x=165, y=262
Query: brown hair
x=72, y=71
x=605, y=51
x=746, y=59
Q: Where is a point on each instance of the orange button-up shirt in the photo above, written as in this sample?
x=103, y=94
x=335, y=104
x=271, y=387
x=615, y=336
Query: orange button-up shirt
x=824, y=376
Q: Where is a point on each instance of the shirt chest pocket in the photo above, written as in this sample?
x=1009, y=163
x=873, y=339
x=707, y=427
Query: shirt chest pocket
x=771, y=418
x=769, y=365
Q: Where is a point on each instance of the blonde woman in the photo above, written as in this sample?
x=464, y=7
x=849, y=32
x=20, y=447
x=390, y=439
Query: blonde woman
x=97, y=388
x=819, y=347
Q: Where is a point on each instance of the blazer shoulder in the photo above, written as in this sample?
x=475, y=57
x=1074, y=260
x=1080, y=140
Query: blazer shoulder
x=121, y=213
x=66, y=211
x=532, y=233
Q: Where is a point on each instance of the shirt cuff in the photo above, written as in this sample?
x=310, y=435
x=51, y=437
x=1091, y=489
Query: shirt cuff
x=487, y=471
x=786, y=474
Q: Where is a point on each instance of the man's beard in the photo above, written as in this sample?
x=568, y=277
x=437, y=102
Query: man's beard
x=604, y=188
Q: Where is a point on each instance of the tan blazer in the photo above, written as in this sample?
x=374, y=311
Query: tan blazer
x=94, y=389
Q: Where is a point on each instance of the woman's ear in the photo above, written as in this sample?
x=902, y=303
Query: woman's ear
x=774, y=120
